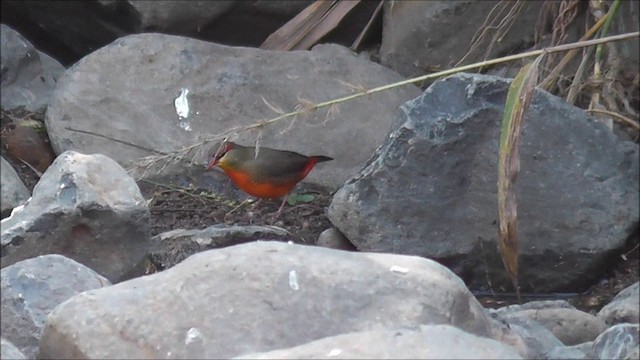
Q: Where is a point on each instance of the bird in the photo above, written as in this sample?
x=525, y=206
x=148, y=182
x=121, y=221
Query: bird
x=264, y=173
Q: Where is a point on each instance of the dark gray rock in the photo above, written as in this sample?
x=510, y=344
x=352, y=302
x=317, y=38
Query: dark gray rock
x=28, y=76
x=171, y=247
x=87, y=208
x=171, y=16
x=251, y=298
x=422, y=35
x=430, y=190
x=13, y=192
x=623, y=308
x=424, y=342
x=152, y=69
x=32, y=288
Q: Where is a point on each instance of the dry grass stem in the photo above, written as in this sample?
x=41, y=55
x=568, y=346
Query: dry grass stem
x=307, y=106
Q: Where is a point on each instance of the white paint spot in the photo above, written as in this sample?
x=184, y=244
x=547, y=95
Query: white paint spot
x=334, y=352
x=192, y=335
x=293, y=280
x=182, y=104
x=399, y=269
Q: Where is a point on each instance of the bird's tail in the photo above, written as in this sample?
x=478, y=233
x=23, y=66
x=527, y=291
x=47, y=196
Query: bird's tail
x=320, y=158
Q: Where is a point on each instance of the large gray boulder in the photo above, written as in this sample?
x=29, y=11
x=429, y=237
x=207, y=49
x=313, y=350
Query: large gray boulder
x=259, y=297
x=127, y=90
x=28, y=75
x=85, y=207
x=32, y=288
x=431, y=189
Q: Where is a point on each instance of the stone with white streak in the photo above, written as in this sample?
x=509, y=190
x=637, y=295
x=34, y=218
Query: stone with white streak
x=258, y=297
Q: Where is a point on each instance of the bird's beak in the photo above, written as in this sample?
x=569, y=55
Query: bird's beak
x=212, y=163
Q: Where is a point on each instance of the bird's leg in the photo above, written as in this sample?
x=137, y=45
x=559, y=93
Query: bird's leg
x=255, y=204
x=277, y=213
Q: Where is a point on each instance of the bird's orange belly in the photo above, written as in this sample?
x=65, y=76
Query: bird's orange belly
x=259, y=189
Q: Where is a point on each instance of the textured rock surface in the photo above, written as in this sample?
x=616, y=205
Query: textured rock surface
x=85, y=207
x=426, y=342
x=32, y=288
x=570, y=326
x=624, y=308
x=13, y=192
x=538, y=340
x=249, y=298
x=228, y=87
x=422, y=35
x=10, y=351
x=430, y=190
x=618, y=342
x=28, y=76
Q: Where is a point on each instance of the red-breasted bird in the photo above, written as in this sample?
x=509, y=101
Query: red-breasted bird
x=269, y=175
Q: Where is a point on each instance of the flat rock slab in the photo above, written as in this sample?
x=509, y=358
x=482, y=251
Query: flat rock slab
x=258, y=297
x=130, y=91
x=32, y=288
x=171, y=247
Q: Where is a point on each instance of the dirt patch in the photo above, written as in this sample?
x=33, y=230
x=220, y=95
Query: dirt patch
x=186, y=206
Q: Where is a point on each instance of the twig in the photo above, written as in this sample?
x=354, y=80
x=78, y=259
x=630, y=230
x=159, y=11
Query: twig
x=419, y=79
x=116, y=140
x=619, y=117
x=178, y=189
x=38, y=173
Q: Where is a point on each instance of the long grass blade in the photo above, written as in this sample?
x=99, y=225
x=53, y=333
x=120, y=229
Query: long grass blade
x=518, y=99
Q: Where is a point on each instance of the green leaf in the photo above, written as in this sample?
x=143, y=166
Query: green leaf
x=300, y=198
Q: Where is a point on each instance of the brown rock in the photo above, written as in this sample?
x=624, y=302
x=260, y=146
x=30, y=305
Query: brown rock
x=26, y=144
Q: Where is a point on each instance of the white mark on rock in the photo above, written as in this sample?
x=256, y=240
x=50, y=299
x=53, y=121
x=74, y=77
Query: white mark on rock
x=182, y=109
x=184, y=126
x=182, y=104
x=399, y=269
x=293, y=280
x=334, y=352
x=192, y=335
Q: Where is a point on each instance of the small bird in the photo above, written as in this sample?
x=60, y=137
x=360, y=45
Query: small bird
x=269, y=175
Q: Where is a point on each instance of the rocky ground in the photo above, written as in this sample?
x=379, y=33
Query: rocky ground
x=175, y=207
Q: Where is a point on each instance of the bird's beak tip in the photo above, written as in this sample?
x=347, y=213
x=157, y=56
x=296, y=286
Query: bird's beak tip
x=212, y=163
